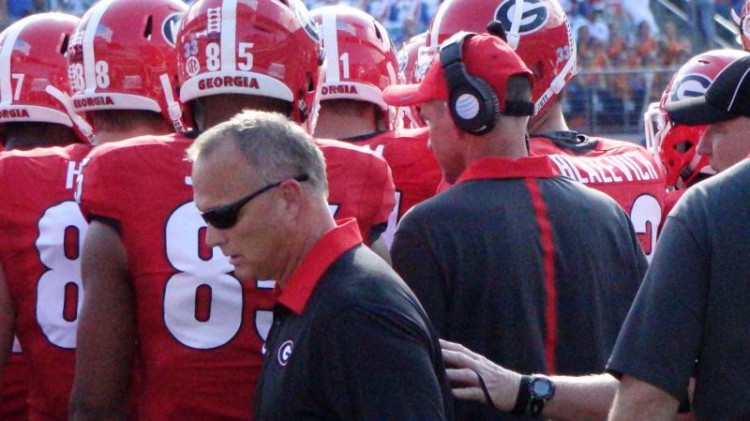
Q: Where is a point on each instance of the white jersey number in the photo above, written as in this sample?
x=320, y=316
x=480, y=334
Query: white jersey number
x=646, y=217
x=59, y=290
x=202, y=303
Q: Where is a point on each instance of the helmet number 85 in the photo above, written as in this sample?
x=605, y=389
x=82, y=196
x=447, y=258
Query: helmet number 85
x=213, y=56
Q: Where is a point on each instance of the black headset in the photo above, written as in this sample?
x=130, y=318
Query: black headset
x=472, y=101
x=473, y=104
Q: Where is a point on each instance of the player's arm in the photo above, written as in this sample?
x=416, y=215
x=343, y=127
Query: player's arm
x=106, y=329
x=575, y=398
x=638, y=400
x=7, y=322
x=382, y=179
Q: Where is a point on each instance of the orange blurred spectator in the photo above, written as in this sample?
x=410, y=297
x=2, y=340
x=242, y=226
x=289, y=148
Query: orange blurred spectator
x=646, y=44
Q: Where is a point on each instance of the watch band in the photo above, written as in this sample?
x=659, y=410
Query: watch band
x=530, y=402
x=524, y=395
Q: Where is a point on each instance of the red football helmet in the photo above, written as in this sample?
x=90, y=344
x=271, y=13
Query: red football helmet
x=33, y=72
x=744, y=23
x=361, y=60
x=675, y=145
x=122, y=57
x=538, y=30
x=251, y=47
x=409, y=71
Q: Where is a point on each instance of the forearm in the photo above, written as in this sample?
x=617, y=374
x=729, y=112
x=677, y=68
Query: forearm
x=575, y=398
x=638, y=400
x=581, y=398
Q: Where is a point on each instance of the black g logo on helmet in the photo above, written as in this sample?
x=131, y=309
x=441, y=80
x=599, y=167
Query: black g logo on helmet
x=533, y=17
x=690, y=86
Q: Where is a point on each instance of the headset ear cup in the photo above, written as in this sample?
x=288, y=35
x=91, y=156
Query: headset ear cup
x=474, y=106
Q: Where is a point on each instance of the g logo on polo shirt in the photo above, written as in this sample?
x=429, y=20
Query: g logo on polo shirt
x=535, y=15
x=690, y=86
x=285, y=352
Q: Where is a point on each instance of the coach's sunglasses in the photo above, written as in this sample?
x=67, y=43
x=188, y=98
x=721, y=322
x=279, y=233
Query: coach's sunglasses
x=224, y=217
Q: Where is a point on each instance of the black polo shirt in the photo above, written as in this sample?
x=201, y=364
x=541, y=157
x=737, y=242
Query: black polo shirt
x=528, y=268
x=350, y=341
x=693, y=302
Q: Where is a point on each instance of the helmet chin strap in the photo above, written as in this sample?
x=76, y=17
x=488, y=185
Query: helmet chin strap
x=173, y=107
x=558, y=83
x=79, y=122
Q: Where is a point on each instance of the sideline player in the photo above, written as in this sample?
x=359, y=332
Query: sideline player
x=540, y=33
x=200, y=329
x=361, y=184
x=135, y=196
x=42, y=227
x=361, y=62
x=673, y=144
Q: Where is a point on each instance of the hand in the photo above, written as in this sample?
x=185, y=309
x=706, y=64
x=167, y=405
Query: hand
x=464, y=370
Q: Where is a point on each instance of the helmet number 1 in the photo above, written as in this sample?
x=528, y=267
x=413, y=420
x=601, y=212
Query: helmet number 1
x=345, y=65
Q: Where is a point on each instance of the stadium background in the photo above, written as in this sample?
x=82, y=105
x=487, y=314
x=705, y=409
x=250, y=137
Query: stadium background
x=627, y=49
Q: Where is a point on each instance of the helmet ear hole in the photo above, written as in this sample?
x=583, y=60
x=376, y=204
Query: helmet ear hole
x=64, y=44
x=377, y=33
x=149, y=28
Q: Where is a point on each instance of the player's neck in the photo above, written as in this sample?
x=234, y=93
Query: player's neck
x=507, y=141
x=144, y=129
x=552, y=120
x=343, y=126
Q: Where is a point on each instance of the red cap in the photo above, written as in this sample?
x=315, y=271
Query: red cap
x=485, y=56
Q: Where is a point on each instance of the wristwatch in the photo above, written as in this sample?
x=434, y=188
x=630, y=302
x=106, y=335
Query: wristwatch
x=533, y=393
x=542, y=389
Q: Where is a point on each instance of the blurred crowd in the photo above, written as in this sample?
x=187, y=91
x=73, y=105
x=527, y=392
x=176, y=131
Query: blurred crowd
x=622, y=51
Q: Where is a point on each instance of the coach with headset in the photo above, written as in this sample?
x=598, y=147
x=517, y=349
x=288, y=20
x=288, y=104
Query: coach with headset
x=531, y=269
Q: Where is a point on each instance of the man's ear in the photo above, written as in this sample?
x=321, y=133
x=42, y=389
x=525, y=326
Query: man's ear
x=292, y=193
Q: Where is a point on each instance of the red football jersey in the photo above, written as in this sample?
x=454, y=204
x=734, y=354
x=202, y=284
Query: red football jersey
x=623, y=170
x=40, y=249
x=200, y=329
x=360, y=184
x=416, y=173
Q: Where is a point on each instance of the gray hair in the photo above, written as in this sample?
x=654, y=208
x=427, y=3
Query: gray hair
x=275, y=147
